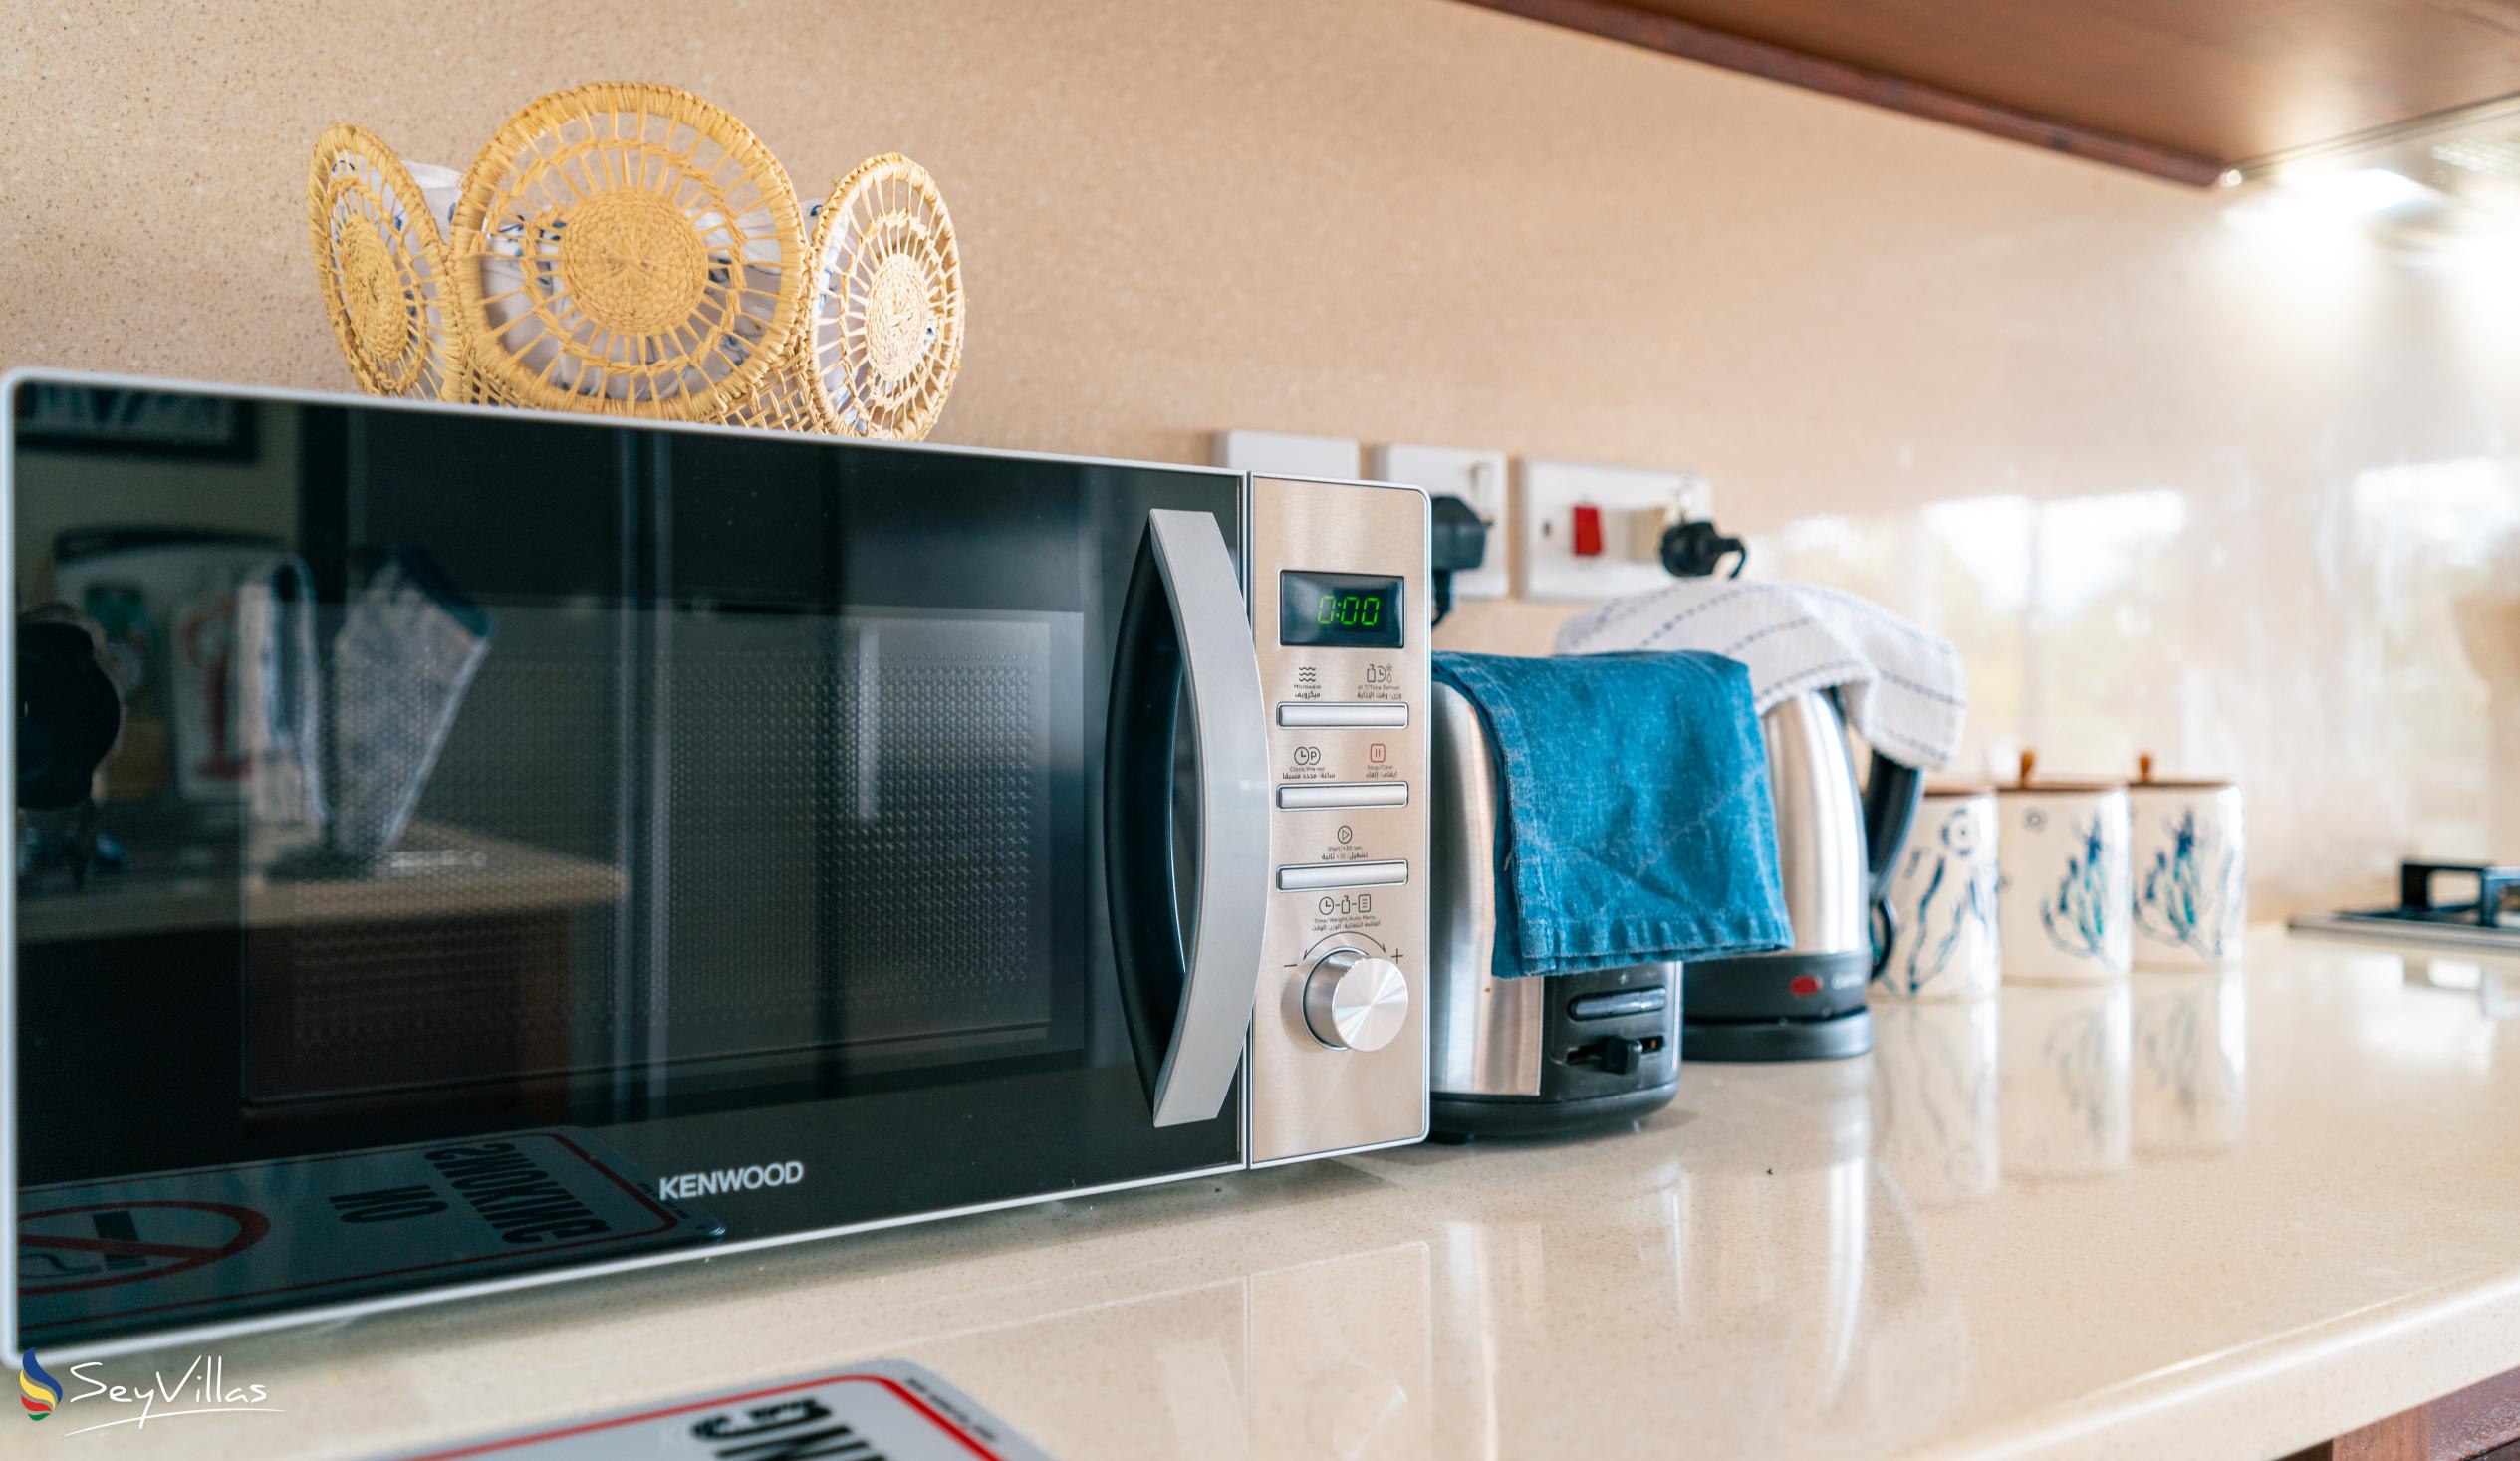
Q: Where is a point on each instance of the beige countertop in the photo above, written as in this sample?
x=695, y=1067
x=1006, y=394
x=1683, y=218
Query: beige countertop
x=2189, y=1215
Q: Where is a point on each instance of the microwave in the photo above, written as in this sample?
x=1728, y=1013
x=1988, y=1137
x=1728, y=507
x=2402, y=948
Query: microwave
x=464, y=848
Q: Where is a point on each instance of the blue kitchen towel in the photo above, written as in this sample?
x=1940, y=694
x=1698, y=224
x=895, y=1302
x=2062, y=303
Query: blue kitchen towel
x=1637, y=826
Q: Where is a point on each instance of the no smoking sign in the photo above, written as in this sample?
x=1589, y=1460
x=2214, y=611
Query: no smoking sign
x=65, y=1249
x=101, y=1258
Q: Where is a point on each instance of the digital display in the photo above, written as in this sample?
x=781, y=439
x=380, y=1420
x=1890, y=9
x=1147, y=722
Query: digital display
x=1354, y=610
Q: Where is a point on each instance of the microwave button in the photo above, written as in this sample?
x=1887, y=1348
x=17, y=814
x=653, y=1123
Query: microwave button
x=1313, y=876
x=1300, y=797
x=1314, y=714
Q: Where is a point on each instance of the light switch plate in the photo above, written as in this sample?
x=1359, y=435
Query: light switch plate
x=1552, y=490
x=1477, y=478
x=1284, y=454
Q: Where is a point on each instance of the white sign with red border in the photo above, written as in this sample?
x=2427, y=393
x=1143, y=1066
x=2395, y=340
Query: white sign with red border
x=881, y=1410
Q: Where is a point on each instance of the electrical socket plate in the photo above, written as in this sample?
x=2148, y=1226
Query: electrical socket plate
x=1477, y=478
x=1550, y=492
x=1284, y=454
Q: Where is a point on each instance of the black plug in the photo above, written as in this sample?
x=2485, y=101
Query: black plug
x=1692, y=549
x=1458, y=541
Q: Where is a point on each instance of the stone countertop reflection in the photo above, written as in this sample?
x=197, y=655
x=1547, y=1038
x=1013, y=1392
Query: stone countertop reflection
x=2195, y=1215
x=438, y=872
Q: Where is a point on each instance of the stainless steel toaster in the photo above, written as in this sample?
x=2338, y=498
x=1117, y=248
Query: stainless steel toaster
x=1524, y=1056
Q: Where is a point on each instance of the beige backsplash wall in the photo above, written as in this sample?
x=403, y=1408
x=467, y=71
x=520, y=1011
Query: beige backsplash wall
x=2173, y=482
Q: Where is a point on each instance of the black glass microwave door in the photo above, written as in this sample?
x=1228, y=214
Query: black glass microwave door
x=682, y=813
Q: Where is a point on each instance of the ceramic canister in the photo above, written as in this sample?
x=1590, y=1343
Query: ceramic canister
x=1941, y=901
x=2190, y=866
x=2065, y=905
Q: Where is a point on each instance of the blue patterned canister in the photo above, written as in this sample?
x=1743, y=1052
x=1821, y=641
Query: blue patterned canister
x=1941, y=903
x=2190, y=886
x=2066, y=909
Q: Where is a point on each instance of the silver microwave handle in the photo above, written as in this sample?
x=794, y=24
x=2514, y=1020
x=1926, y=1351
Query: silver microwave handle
x=1190, y=1067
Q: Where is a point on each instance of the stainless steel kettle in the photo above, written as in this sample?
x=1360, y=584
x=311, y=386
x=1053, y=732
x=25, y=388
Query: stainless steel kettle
x=1836, y=842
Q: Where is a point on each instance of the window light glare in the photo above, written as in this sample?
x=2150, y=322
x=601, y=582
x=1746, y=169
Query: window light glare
x=2360, y=192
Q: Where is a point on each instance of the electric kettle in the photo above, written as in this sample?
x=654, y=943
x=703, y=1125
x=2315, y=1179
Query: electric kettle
x=1836, y=844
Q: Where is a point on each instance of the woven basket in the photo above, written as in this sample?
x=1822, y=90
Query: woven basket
x=381, y=266
x=630, y=249
x=886, y=337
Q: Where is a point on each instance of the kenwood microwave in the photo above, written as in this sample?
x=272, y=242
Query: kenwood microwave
x=463, y=848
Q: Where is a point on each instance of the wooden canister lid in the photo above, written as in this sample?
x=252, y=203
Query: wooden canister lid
x=2146, y=782
x=2067, y=785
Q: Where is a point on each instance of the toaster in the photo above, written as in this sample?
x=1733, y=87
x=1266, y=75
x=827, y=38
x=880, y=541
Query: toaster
x=1527, y=1055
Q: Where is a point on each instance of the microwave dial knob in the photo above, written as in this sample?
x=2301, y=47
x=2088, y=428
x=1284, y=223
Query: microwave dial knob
x=1355, y=1002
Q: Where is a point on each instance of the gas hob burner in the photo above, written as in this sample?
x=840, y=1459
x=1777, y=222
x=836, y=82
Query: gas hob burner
x=2487, y=923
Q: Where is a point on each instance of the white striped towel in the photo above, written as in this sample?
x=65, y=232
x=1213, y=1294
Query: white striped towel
x=1905, y=691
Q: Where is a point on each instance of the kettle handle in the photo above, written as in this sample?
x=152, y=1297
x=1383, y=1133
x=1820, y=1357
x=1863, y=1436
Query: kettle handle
x=1893, y=791
x=1884, y=934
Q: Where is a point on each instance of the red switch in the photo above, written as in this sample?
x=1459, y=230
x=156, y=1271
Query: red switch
x=1587, y=530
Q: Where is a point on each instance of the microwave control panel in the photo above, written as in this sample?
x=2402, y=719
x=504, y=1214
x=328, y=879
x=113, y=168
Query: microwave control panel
x=1341, y=601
